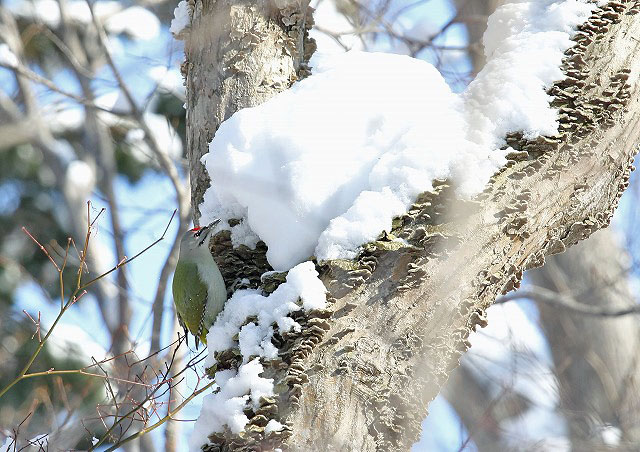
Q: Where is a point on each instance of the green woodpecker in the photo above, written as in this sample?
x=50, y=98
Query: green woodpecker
x=198, y=288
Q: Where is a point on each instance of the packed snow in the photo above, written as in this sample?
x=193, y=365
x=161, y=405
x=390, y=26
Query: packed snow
x=181, y=18
x=302, y=282
x=302, y=290
x=323, y=168
x=328, y=163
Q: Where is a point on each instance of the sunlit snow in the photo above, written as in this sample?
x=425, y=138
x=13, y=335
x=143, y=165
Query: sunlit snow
x=327, y=164
x=323, y=167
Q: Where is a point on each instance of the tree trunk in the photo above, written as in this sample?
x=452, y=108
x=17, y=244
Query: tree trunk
x=239, y=53
x=595, y=358
x=360, y=375
x=474, y=14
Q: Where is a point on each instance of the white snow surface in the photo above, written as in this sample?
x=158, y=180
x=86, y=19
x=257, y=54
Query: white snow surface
x=273, y=426
x=255, y=338
x=225, y=407
x=181, y=18
x=237, y=389
x=611, y=435
x=323, y=167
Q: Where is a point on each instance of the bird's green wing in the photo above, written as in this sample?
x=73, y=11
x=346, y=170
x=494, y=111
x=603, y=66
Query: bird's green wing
x=190, y=297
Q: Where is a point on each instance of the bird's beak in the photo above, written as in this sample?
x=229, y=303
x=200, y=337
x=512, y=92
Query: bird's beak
x=206, y=231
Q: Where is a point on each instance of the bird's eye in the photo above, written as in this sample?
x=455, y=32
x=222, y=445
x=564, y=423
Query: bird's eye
x=197, y=233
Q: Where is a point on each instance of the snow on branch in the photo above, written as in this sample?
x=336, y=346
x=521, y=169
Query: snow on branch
x=323, y=168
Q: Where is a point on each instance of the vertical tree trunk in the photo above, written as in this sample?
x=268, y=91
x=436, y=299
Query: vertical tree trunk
x=239, y=53
x=596, y=359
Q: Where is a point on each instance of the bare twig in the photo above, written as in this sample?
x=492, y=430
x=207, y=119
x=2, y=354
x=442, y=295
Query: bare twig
x=567, y=302
x=169, y=416
x=77, y=293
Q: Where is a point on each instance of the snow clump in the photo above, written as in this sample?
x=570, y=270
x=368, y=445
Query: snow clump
x=323, y=168
x=181, y=18
x=245, y=386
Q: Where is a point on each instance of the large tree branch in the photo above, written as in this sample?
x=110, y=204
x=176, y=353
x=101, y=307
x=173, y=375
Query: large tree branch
x=401, y=346
x=401, y=312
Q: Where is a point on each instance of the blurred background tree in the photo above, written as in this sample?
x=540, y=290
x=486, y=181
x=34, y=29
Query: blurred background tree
x=91, y=109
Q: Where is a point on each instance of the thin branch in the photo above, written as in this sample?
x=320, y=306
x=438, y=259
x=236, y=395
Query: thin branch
x=168, y=417
x=567, y=302
x=33, y=76
x=42, y=248
x=83, y=372
x=127, y=260
x=74, y=296
x=194, y=361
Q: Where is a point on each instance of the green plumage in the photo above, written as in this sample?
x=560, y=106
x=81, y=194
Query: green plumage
x=190, y=298
x=199, y=292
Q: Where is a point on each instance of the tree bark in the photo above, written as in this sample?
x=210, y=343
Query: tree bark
x=359, y=375
x=239, y=53
x=595, y=359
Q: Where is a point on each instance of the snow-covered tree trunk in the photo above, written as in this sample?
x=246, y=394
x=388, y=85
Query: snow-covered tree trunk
x=360, y=375
x=239, y=53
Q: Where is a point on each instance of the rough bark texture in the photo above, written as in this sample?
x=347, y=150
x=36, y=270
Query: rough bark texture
x=239, y=53
x=359, y=375
x=596, y=359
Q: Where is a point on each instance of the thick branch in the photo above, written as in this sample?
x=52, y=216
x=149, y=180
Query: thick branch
x=402, y=311
x=410, y=310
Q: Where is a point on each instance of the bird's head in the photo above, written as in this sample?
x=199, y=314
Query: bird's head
x=197, y=237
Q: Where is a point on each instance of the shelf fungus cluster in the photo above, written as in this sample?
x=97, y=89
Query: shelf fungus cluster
x=267, y=426
x=588, y=103
x=415, y=238
x=508, y=228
